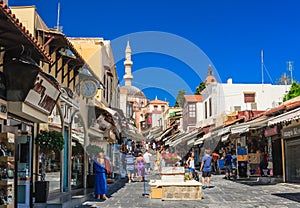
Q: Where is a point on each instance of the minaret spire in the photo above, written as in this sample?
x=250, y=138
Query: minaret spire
x=128, y=65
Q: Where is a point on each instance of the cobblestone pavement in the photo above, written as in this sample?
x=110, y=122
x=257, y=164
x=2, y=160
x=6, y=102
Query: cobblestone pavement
x=225, y=193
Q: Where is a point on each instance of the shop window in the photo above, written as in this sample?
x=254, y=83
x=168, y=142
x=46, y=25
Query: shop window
x=192, y=114
x=249, y=97
x=210, y=108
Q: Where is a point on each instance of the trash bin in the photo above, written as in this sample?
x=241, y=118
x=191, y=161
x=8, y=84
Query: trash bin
x=242, y=168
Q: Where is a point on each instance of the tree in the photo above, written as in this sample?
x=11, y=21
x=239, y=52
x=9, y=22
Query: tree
x=180, y=99
x=49, y=142
x=200, y=88
x=294, y=92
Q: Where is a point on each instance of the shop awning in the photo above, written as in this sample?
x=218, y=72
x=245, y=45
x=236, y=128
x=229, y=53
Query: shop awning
x=225, y=137
x=199, y=141
x=165, y=133
x=224, y=131
x=240, y=129
x=206, y=136
x=288, y=116
x=191, y=141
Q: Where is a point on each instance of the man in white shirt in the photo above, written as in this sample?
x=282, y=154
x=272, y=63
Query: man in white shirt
x=147, y=156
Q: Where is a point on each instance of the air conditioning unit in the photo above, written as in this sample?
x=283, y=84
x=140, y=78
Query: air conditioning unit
x=237, y=108
x=253, y=106
x=276, y=104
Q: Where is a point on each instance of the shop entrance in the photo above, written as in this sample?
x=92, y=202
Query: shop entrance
x=77, y=165
x=23, y=161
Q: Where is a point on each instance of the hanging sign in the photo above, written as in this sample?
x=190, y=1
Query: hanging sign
x=43, y=95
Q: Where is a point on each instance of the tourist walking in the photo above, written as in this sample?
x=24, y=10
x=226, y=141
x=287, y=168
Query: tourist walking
x=100, y=177
x=191, y=164
x=147, y=156
x=205, y=168
x=228, y=165
x=140, y=166
x=215, y=158
x=130, y=160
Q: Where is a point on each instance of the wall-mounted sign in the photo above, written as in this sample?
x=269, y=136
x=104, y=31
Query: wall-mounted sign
x=271, y=131
x=291, y=132
x=43, y=95
x=3, y=109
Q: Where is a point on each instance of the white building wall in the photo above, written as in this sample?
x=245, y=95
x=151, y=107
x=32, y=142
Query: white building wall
x=199, y=114
x=226, y=96
x=157, y=120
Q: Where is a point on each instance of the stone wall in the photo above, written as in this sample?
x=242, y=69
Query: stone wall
x=182, y=193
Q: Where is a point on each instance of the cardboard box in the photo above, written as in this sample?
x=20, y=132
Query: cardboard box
x=156, y=192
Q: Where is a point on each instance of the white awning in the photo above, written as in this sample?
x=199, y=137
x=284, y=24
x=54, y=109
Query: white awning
x=191, y=141
x=199, y=141
x=164, y=133
x=206, y=136
x=240, y=129
x=288, y=116
x=225, y=137
x=224, y=131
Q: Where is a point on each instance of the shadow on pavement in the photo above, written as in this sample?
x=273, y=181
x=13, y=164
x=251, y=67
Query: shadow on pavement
x=291, y=196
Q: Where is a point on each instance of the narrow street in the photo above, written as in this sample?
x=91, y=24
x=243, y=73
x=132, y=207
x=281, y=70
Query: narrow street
x=225, y=193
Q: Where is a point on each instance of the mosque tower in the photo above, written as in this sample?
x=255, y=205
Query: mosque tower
x=128, y=65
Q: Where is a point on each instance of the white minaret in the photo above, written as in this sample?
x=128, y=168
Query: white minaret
x=128, y=65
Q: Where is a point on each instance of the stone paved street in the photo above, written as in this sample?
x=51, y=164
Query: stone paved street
x=225, y=193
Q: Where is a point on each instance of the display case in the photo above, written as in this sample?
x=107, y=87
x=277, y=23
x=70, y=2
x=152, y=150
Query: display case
x=7, y=169
x=254, y=160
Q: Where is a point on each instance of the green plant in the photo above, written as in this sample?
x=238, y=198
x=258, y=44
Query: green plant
x=48, y=142
x=93, y=150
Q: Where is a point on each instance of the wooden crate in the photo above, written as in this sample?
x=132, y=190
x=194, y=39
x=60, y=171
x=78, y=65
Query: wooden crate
x=156, y=192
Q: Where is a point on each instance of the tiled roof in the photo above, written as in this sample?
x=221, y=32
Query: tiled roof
x=193, y=98
x=12, y=17
x=286, y=106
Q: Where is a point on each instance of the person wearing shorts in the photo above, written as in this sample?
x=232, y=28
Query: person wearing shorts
x=205, y=168
x=130, y=160
x=191, y=164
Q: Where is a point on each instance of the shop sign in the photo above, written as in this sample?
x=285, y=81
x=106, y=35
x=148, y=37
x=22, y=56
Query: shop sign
x=291, y=132
x=271, y=131
x=43, y=95
x=3, y=109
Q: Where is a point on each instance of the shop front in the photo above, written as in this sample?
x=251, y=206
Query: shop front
x=291, y=137
x=31, y=96
x=274, y=150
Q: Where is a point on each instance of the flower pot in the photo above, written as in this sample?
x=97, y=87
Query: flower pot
x=41, y=191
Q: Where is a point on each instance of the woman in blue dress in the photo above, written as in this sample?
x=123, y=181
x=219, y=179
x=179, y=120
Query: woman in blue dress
x=100, y=177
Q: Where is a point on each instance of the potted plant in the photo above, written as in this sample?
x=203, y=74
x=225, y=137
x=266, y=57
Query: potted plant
x=48, y=142
x=93, y=151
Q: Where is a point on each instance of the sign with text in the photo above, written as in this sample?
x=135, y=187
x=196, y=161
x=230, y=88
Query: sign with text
x=43, y=95
x=291, y=132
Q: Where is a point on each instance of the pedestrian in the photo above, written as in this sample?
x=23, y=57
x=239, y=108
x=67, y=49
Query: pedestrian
x=205, y=168
x=140, y=166
x=100, y=177
x=215, y=158
x=147, y=156
x=191, y=164
x=228, y=165
x=130, y=160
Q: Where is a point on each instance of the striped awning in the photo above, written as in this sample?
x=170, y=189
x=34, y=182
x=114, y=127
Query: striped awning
x=288, y=116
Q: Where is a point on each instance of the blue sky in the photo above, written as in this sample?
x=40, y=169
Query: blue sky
x=187, y=36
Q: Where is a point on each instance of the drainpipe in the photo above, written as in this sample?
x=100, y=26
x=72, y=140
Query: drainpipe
x=283, y=160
